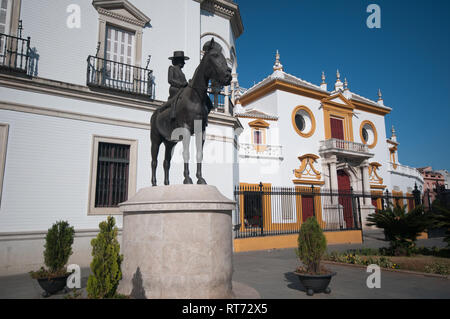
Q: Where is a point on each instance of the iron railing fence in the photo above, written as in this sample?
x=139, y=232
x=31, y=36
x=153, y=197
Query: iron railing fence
x=386, y=200
x=119, y=76
x=269, y=211
x=218, y=101
x=14, y=53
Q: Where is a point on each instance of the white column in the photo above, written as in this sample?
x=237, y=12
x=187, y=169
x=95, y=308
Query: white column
x=226, y=105
x=333, y=173
x=366, y=185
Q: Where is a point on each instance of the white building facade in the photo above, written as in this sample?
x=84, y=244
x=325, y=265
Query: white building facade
x=301, y=135
x=77, y=90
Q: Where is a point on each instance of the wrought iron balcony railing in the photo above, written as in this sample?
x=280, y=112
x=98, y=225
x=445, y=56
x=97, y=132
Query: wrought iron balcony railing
x=14, y=53
x=252, y=150
x=119, y=76
x=218, y=100
x=340, y=146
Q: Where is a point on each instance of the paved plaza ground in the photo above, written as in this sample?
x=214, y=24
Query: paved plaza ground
x=269, y=273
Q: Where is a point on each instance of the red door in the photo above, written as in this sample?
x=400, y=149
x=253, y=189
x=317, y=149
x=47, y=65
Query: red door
x=307, y=207
x=411, y=204
x=345, y=199
x=375, y=202
x=337, y=128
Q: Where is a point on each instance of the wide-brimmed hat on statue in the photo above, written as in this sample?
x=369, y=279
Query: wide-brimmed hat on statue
x=178, y=55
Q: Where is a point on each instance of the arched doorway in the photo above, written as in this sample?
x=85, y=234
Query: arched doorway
x=345, y=197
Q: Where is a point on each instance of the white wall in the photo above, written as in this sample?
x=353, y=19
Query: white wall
x=380, y=151
x=62, y=51
x=48, y=162
x=296, y=145
x=175, y=25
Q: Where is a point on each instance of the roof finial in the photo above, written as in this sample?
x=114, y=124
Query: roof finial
x=323, y=85
x=277, y=65
x=380, y=98
x=393, y=136
x=345, y=84
x=338, y=86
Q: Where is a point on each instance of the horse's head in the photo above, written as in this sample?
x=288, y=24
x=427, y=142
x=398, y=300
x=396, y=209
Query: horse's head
x=217, y=68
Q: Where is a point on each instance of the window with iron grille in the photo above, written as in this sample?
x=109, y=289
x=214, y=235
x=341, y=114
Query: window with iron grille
x=112, y=174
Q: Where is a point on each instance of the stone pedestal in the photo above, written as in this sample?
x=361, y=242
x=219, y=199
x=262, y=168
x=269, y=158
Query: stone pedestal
x=177, y=243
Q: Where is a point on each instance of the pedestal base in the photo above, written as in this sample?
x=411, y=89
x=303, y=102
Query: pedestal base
x=177, y=243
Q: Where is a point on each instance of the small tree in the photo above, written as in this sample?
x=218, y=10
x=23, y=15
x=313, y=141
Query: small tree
x=441, y=219
x=105, y=265
x=400, y=228
x=57, y=250
x=311, y=245
x=58, y=246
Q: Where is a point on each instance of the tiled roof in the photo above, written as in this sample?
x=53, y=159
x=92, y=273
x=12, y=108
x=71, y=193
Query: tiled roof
x=283, y=76
x=257, y=114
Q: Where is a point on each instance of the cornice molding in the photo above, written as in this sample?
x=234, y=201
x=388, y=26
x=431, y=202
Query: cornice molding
x=225, y=9
x=279, y=84
x=104, y=7
x=74, y=91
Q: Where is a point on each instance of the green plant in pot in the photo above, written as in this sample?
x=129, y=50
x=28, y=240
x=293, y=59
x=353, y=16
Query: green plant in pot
x=106, y=262
x=58, y=248
x=312, y=244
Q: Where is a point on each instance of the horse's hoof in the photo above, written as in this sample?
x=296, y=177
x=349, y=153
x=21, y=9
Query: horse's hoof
x=166, y=183
x=188, y=181
x=201, y=181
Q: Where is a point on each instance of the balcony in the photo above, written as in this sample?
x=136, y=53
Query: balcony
x=340, y=147
x=264, y=151
x=218, y=101
x=14, y=54
x=119, y=77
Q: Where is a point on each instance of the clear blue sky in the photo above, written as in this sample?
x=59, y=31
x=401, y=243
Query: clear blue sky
x=408, y=59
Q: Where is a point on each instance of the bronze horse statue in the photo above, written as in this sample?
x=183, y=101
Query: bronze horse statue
x=191, y=114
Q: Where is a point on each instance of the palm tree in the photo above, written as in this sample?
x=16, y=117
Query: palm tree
x=400, y=228
x=441, y=219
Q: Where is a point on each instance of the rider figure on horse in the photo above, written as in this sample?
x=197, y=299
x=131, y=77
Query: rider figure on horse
x=176, y=77
x=177, y=81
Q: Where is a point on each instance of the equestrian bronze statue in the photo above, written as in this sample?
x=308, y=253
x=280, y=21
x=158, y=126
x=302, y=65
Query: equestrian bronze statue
x=192, y=106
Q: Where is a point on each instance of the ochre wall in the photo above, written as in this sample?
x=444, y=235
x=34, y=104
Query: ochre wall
x=290, y=241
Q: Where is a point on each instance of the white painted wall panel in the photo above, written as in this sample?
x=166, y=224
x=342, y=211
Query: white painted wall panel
x=47, y=171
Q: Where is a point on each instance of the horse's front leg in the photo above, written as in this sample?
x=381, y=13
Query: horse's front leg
x=168, y=156
x=155, y=150
x=186, y=142
x=200, y=142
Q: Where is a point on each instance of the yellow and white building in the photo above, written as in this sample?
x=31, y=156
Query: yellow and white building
x=298, y=134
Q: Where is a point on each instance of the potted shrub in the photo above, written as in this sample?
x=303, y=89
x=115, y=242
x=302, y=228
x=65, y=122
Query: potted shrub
x=58, y=248
x=106, y=262
x=312, y=244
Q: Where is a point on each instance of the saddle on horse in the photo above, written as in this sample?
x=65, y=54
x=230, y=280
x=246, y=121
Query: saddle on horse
x=172, y=104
